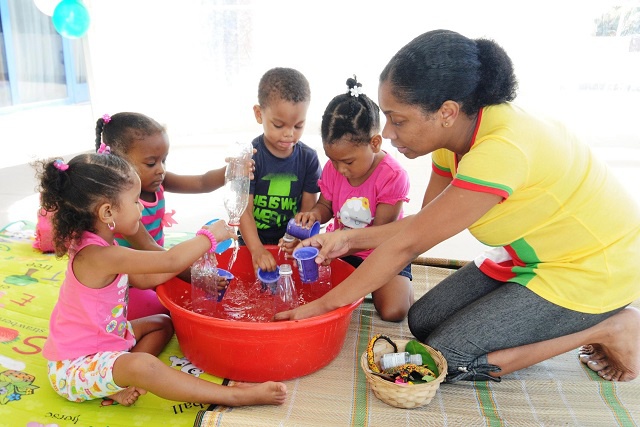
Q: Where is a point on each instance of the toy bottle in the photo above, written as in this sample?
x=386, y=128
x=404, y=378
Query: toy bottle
x=286, y=296
x=391, y=360
x=204, y=283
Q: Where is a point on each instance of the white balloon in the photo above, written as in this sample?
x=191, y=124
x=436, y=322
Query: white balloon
x=46, y=6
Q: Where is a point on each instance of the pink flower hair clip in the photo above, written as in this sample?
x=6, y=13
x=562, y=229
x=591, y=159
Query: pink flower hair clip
x=60, y=165
x=106, y=118
x=104, y=149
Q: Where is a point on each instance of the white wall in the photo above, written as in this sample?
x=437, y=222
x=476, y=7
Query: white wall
x=195, y=64
x=184, y=64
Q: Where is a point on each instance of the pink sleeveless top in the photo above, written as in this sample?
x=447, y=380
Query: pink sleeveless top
x=86, y=321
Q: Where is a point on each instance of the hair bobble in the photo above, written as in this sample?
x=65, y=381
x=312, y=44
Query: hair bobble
x=106, y=118
x=60, y=165
x=104, y=149
x=356, y=90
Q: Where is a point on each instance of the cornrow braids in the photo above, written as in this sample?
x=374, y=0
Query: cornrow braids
x=72, y=191
x=123, y=129
x=284, y=84
x=351, y=115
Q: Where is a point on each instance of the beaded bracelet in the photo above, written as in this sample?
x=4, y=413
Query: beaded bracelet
x=212, y=239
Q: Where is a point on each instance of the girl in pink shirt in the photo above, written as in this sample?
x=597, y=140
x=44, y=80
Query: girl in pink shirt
x=361, y=186
x=144, y=143
x=94, y=351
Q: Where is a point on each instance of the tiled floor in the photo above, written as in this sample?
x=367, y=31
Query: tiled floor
x=18, y=198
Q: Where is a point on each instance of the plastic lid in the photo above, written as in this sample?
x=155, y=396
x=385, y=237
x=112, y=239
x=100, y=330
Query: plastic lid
x=307, y=252
x=288, y=237
x=286, y=269
x=225, y=274
x=269, y=276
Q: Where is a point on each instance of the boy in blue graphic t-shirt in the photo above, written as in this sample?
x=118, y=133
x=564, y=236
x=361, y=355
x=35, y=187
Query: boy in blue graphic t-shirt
x=286, y=170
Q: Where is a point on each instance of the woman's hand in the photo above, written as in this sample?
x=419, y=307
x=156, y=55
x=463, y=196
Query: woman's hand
x=332, y=245
x=314, y=308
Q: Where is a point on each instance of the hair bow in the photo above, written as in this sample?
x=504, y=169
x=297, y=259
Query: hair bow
x=167, y=219
x=106, y=118
x=104, y=149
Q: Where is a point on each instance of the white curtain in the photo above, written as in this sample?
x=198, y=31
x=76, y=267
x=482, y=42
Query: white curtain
x=38, y=49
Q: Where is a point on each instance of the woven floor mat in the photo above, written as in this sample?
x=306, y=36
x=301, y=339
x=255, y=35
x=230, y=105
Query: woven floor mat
x=559, y=391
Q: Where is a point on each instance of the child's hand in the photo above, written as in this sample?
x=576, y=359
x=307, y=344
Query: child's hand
x=306, y=219
x=263, y=259
x=288, y=247
x=250, y=164
x=221, y=231
x=222, y=283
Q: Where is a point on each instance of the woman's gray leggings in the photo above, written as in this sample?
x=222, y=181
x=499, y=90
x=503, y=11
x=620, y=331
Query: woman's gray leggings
x=469, y=315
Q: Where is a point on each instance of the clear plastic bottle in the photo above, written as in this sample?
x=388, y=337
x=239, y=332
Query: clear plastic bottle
x=240, y=150
x=236, y=190
x=391, y=360
x=204, y=284
x=286, y=296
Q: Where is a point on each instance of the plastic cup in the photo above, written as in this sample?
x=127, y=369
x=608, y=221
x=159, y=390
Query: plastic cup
x=307, y=267
x=221, y=246
x=300, y=232
x=269, y=279
x=227, y=275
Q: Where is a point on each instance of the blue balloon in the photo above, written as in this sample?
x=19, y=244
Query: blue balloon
x=71, y=19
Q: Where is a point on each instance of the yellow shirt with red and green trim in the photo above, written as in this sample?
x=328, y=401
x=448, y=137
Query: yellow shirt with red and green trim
x=566, y=228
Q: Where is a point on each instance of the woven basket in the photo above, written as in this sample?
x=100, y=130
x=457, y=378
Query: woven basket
x=402, y=395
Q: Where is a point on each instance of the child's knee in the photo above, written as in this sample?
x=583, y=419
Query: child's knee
x=392, y=313
x=166, y=325
x=165, y=321
x=161, y=322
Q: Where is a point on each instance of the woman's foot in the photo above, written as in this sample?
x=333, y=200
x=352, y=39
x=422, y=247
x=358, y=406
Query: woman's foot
x=267, y=393
x=128, y=396
x=617, y=357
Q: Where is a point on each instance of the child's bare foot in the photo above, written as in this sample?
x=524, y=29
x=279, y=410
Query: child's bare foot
x=128, y=396
x=616, y=358
x=267, y=393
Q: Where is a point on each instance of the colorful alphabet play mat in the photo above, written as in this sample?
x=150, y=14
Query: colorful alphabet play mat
x=558, y=392
x=29, y=283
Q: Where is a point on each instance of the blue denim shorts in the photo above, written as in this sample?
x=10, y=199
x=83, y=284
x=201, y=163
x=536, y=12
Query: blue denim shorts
x=356, y=261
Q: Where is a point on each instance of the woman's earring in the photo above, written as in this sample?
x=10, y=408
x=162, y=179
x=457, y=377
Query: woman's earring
x=446, y=124
x=112, y=226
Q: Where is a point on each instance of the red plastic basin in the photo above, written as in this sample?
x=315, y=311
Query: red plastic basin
x=251, y=351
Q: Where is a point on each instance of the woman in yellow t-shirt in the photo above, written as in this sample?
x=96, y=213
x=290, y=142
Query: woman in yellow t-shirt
x=565, y=235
